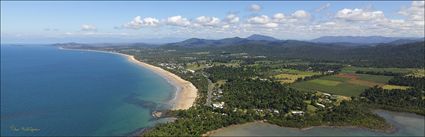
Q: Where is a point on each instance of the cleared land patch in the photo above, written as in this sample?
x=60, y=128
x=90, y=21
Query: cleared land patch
x=291, y=75
x=395, y=87
x=347, y=84
x=326, y=82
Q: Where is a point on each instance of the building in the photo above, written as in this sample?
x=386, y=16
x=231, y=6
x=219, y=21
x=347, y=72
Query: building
x=321, y=105
x=218, y=105
x=294, y=112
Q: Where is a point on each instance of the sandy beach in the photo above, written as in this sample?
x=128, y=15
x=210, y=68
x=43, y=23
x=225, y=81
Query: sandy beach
x=186, y=92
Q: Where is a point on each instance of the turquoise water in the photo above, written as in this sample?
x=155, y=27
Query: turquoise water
x=64, y=92
x=406, y=125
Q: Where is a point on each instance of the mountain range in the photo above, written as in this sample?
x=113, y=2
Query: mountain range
x=363, y=39
x=257, y=39
x=394, y=53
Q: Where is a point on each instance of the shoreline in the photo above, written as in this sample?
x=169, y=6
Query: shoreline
x=185, y=92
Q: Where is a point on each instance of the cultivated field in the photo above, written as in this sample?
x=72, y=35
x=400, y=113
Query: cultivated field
x=290, y=75
x=349, y=83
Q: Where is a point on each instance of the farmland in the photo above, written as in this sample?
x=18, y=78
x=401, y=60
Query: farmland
x=291, y=75
x=349, y=83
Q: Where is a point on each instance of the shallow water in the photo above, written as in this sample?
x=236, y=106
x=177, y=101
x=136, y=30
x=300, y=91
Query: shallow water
x=405, y=123
x=48, y=91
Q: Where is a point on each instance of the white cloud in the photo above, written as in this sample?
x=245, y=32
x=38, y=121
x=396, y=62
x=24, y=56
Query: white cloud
x=323, y=7
x=207, y=21
x=263, y=19
x=359, y=15
x=301, y=14
x=232, y=18
x=415, y=13
x=88, y=27
x=279, y=17
x=178, y=21
x=271, y=25
x=149, y=21
x=138, y=22
x=255, y=8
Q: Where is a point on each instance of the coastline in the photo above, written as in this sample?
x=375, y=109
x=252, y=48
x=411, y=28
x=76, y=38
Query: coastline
x=185, y=93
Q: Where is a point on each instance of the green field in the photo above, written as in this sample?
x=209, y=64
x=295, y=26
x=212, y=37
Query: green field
x=290, y=75
x=418, y=73
x=343, y=88
x=395, y=70
x=326, y=82
x=342, y=84
x=395, y=87
x=374, y=78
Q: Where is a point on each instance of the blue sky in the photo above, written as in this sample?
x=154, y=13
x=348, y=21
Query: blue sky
x=138, y=21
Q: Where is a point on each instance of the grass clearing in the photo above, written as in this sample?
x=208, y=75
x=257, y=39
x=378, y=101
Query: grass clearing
x=346, y=84
x=291, y=75
x=326, y=82
x=352, y=69
x=395, y=87
x=418, y=73
x=374, y=78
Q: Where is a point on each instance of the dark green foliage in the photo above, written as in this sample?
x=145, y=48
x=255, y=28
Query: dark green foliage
x=346, y=114
x=316, y=67
x=410, y=100
x=230, y=73
x=257, y=94
x=417, y=82
x=385, y=73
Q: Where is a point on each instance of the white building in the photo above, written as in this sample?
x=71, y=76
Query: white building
x=218, y=105
x=321, y=105
x=297, y=112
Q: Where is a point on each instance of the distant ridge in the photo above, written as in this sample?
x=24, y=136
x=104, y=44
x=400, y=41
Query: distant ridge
x=261, y=37
x=360, y=39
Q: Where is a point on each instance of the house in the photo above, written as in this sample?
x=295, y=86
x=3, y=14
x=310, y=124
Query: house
x=220, y=91
x=218, y=105
x=326, y=94
x=294, y=112
x=191, y=70
x=321, y=105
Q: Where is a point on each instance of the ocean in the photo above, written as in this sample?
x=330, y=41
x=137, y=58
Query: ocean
x=52, y=92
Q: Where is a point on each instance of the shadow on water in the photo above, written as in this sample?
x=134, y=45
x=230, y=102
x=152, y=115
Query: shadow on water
x=153, y=107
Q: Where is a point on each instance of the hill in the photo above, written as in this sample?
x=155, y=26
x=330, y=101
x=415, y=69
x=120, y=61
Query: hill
x=359, y=39
x=261, y=37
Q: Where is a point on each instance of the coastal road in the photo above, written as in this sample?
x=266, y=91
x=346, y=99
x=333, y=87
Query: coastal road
x=210, y=90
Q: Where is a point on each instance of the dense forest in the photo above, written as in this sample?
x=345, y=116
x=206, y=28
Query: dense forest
x=412, y=81
x=385, y=73
x=257, y=94
x=346, y=114
x=384, y=55
x=410, y=100
x=230, y=73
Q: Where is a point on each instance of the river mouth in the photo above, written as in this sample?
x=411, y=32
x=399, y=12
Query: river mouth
x=405, y=124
